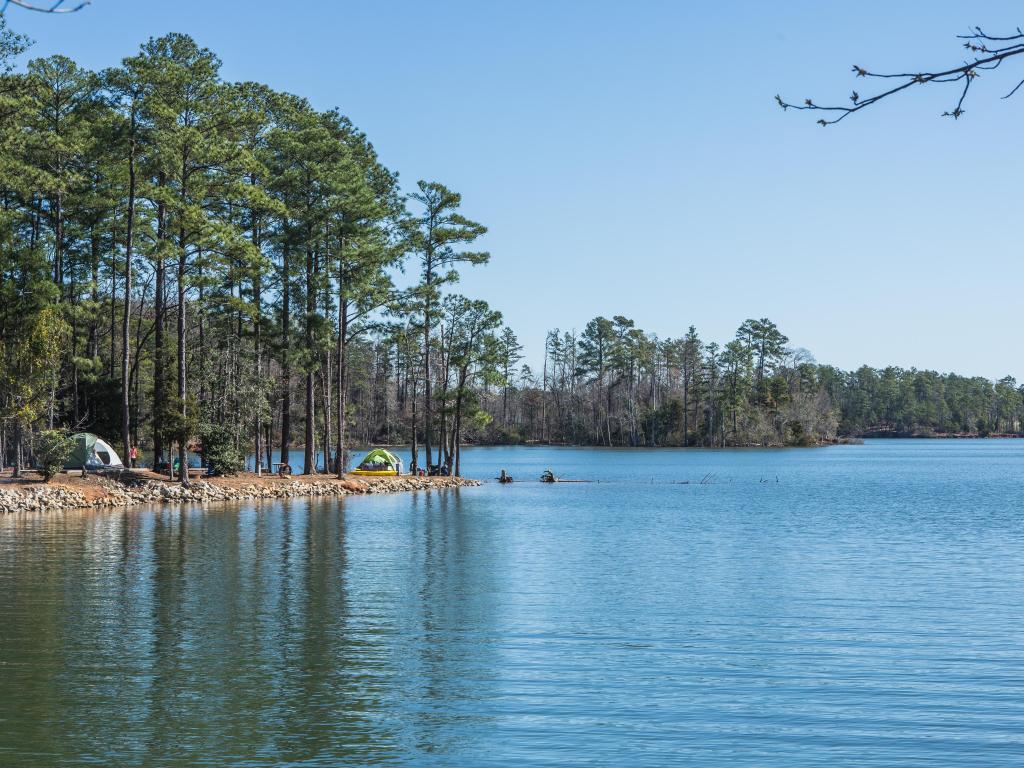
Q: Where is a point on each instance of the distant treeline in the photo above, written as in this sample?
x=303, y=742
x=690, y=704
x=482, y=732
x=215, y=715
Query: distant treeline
x=910, y=402
x=614, y=384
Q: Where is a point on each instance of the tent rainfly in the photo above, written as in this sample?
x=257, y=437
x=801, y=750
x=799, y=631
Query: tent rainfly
x=379, y=462
x=92, y=452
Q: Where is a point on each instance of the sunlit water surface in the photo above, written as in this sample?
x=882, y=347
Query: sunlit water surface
x=855, y=605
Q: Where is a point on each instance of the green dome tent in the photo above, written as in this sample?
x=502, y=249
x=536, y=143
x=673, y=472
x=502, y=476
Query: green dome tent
x=92, y=452
x=379, y=462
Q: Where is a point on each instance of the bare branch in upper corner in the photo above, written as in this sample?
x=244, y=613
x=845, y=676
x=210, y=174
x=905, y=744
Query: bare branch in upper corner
x=988, y=52
x=58, y=6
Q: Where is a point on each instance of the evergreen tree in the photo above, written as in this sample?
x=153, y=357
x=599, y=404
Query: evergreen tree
x=435, y=237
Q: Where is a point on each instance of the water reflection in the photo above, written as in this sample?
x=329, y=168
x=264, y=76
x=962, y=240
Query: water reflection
x=155, y=636
x=863, y=611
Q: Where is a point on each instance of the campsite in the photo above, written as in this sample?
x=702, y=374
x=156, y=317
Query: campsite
x=92, y=453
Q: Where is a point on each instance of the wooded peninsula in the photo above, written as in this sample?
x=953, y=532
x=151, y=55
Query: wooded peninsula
x=188, y=262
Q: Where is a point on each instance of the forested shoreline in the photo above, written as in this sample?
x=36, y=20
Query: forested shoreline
x=614, y=384
x=188, y=262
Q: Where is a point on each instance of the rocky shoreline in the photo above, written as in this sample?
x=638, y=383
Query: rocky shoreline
x=114, y=493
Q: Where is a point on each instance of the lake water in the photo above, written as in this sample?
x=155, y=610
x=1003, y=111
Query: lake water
x=845, y=606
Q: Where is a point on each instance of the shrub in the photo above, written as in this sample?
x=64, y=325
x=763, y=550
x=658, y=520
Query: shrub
x=219, y=448
x=53, y=449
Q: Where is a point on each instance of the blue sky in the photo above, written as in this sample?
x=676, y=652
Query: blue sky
x=628, y=157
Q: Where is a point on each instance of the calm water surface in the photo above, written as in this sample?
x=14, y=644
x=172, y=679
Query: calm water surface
x=856, y=606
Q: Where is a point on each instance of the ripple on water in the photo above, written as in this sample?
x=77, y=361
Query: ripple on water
x=861, y=607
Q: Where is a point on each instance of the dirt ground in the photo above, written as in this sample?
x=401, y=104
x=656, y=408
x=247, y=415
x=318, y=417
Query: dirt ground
x=90, y=486
x=87, y=486
x=243, y=479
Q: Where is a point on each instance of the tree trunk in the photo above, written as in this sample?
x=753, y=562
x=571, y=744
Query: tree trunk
x=136, y=389
x=201, y=366
x=427, y=405
x=309, y=453
x=286, y=359
x=457, y=426
x=58, y=245
x=113, y=304
x=414, y=454
x=686, y=411
x=182, y=437
x=257, y=294
x=342, y=376
x=544, y=398
x=608, y=416
x=159, y=342
x=325, y=383
x=182, y=264
x=17, y=450
x=126, y=314
x=443, y=450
